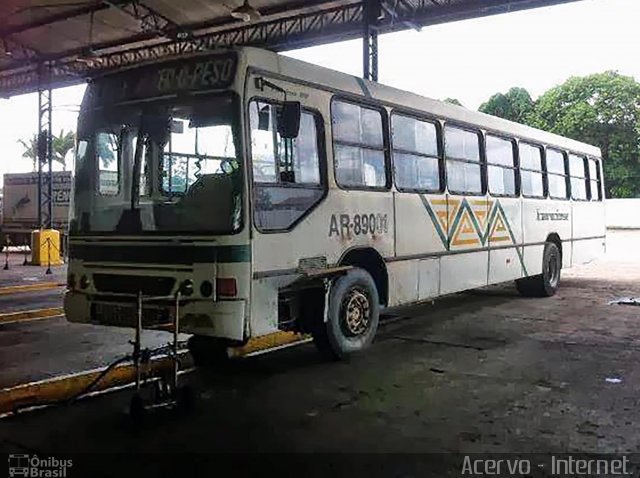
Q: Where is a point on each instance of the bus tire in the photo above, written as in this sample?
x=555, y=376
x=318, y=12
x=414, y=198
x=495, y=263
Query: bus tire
x=352, y=316
x=547, y=283
x=207, y=352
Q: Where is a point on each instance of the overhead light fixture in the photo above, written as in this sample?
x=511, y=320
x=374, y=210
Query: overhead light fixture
x=246, y=12
x=5, y=50
x=88, y=56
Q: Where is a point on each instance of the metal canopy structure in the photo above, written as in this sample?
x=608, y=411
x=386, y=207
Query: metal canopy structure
x=45, y=44
x=76, y=39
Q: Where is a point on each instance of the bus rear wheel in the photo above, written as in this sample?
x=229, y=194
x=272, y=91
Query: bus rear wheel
x=547, y=283
x=352, y=316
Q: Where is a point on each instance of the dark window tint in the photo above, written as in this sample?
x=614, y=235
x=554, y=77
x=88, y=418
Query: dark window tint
x=415, y=154
x=531, y=170
x=358, y=146
x=595, y=186
x=556, y=174
x=501, y=171
x=462, y=152
x=286, y=173
x=578, y=173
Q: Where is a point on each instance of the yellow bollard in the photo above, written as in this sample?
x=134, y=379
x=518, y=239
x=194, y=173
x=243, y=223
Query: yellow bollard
x=45, y=247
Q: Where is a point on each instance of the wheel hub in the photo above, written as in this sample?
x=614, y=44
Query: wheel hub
x=356, y=313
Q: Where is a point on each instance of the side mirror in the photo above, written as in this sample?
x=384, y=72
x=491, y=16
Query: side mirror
x=177, y=127
x=289, y=119
x=264, y=118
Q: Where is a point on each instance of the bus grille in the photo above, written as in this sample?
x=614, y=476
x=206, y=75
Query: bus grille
x=125, y=315
x=127, y=284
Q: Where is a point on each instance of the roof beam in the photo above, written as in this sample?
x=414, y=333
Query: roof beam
x=122, y=4
x=59, y=17
x=150, y=20
x=277, y=34
x=187, y=31
x=312, y=24
x=16, y=50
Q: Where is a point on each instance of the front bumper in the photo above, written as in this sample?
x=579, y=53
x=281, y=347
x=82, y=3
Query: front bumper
x=224, y=318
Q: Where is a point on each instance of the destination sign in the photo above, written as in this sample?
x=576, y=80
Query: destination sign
x=177, y=76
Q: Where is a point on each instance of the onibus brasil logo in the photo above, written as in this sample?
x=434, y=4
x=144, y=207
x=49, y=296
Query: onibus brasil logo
x=33, y=466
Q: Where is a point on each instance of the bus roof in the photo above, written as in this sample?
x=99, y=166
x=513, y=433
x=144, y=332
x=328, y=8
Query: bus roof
x=355, y=86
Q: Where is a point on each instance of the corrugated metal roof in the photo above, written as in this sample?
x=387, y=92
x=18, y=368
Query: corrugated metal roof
x=59, y=42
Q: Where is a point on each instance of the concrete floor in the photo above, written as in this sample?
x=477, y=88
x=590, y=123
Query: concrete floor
x=19, y=274
x=484, y=371
x=41, y=349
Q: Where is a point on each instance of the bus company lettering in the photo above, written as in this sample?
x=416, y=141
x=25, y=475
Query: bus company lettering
x=210, y=73
x=551, y=216
x=343, y=225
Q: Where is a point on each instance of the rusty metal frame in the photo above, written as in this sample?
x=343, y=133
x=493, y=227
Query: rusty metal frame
x=371, y=14
x=310, y=23
x=45, y=152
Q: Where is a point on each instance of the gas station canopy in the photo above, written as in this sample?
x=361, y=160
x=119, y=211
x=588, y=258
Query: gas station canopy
x=52, y=43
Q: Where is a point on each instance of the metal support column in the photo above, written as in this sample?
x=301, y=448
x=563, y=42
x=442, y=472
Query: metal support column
x=372, y=13
x=45, y=183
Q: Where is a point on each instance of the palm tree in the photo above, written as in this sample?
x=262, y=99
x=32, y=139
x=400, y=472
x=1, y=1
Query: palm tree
x=30, y=149
x=60, y=147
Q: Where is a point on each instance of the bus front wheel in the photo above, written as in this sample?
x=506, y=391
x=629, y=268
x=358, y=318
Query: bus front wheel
x=547, y=283
x=352, y=316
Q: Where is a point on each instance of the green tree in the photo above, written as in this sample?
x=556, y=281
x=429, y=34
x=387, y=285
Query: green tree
x=453, y=101
x=106, y=148
x=30, y=146
x=515, y=105
x=604, y=110
x=60, y=147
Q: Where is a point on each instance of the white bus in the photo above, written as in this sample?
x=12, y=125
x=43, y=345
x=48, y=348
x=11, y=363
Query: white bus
x=282, y=197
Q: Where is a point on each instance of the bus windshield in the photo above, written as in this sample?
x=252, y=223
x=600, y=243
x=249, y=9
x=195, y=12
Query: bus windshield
x=160, y=167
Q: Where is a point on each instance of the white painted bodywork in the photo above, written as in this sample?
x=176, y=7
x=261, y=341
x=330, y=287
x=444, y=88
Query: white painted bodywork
x=420, y=265
x=428, y=250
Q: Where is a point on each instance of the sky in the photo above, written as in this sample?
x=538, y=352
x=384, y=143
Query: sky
x=468, y=60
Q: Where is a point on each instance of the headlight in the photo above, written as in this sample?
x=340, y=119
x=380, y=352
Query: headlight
x=206, y=288
x=186, y=288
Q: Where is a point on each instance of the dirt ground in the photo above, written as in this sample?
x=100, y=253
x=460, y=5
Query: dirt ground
x=484, y=371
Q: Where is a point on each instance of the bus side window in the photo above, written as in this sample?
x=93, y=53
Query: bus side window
x=462, y=152
x=531, y=170
x=415, y=154
x=108, y=154
x=556, y=174
x=501, y=166
x=595, y=186
x=286, y=173
x=578, y=173
x=358, y=146
x=276, y=160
